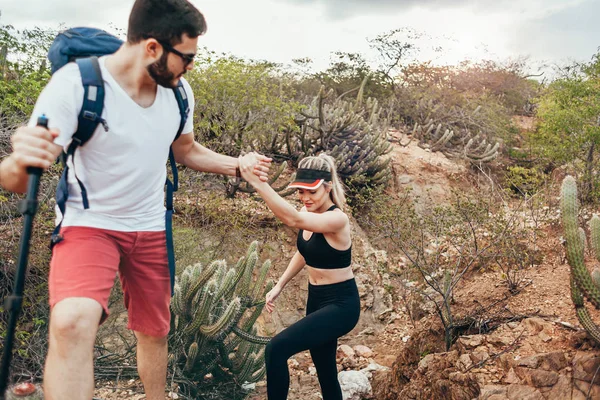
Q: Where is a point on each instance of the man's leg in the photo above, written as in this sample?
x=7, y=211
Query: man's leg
x=144, y=274
x=82, y=273
x=152, y=356
x=69, y=371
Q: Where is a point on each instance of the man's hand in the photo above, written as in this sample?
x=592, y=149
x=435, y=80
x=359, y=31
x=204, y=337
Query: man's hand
x=254, y=166
x=34, y=147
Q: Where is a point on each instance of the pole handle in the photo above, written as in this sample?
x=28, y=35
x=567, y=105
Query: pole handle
x=43, y=122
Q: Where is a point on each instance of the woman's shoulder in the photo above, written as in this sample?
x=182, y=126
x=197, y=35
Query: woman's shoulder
x=334, y=208
x=339, y=213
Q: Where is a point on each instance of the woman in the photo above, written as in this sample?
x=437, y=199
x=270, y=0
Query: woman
x=324, y=246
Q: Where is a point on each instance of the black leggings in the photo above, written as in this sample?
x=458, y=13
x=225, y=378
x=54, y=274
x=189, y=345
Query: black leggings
x=331, y=312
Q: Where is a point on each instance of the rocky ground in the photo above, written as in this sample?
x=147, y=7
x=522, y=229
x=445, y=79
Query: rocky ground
x=538, y=353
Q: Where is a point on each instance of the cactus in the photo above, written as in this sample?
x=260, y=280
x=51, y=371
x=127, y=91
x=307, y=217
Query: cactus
x=248, y=362
x=250, y=337
x=462, y=122
x=583, y=286
x=210, y=317
x=200, y=281
x=262, y=276
x=359, y=155
x=191, y=357
x=351, y=132
x=483, y=151
x=219, y=326
x=459, y=144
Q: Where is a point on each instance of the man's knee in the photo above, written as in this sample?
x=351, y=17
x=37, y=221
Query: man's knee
x=75, y=320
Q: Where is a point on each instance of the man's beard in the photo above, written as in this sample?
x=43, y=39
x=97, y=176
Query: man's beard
x=159, y=71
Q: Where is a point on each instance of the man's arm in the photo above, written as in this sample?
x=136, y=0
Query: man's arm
x=32, y=147
x=195, y=156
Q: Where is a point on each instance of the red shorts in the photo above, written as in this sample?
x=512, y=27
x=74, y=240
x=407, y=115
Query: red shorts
x=86, y=262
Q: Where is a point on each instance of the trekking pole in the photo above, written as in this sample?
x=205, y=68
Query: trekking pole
x=28, y=208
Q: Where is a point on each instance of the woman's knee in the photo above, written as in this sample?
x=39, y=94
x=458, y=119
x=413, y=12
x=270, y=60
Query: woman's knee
x=276, y=350
x=269, y=352
x=74, y=320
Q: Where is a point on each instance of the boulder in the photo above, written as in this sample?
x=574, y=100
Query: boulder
x=355, y=385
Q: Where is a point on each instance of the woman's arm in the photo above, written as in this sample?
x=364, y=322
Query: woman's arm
x=321, y=223
x=296, y=264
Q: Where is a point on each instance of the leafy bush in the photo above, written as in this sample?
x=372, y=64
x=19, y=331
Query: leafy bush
x=569, y=123
x=23, y=70
x=241, y=104
x=444, y=243
x=345, y=74
x=475, y=98
x=524, y=181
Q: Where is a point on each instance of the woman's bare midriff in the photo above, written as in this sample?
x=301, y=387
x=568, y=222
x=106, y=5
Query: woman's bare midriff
x=319, y=276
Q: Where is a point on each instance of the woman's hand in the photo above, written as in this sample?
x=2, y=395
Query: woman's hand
x=270, y=298
x=254, y=167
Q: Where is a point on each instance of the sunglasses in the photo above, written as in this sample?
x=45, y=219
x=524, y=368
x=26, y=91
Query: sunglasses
x=187, y=58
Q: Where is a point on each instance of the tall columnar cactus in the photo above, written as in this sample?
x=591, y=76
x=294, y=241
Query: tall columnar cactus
x=583, y=285
x=214, y=310
x=351, y=132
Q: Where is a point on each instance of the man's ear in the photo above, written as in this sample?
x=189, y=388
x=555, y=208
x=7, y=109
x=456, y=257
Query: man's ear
x=153, y=49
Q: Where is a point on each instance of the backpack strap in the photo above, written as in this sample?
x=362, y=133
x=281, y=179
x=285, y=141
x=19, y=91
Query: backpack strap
x=184, y=107
x=171, y=187
x=93, y=101
x=87, y=122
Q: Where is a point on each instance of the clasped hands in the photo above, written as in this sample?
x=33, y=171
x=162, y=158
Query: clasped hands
x=254, y=167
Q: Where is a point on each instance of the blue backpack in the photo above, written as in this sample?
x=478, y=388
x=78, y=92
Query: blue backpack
x=84, y=46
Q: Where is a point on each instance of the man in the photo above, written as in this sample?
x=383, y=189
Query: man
x=123, y=169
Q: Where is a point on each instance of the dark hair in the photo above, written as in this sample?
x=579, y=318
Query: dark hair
x=164, y=20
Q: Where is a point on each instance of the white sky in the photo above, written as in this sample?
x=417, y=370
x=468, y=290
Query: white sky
x=551, y=31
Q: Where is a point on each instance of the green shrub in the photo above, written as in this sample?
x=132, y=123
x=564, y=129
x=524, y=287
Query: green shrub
x=240, y=105
x=524, y=181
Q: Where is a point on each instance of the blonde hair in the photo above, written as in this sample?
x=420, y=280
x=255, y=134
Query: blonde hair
x=324, y=162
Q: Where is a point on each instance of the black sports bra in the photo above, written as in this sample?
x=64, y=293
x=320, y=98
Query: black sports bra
x=319, y=254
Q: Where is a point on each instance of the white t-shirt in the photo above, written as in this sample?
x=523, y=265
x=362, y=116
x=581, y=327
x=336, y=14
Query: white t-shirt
x=124, y=169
